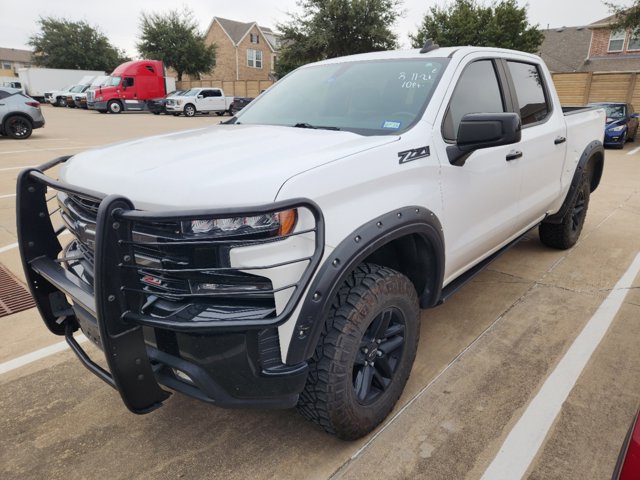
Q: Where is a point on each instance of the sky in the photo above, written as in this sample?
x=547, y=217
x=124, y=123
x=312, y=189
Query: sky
x=119, y=19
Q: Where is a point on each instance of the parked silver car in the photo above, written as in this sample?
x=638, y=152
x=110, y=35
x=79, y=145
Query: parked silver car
x=19, y=114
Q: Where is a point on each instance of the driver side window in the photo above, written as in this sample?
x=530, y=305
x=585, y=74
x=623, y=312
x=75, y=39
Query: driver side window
x=477, y=91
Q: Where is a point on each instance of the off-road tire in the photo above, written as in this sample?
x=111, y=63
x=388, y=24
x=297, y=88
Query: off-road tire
x=18, y=127
x=189, y=110
x=114, y=106
x=370, y=295
x=565, y=234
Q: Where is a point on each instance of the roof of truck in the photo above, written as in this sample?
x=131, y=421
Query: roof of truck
x=438, y=52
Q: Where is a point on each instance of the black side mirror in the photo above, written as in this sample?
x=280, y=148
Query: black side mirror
x=484, y=130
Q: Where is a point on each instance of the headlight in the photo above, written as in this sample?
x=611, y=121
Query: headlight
x=99, y=99
x=619, y=128
x=270, y=224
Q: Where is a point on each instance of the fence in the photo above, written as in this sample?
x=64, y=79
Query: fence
x=239, y=88
x=581, y=88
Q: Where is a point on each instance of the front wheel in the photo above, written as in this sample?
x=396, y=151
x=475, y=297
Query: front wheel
x=189, y=110
x=114, y=106
x=364, y=357
x=61, y=102
x=565, y=234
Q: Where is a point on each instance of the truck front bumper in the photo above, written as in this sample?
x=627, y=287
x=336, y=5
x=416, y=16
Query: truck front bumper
x=225, y=353
x=100, y=106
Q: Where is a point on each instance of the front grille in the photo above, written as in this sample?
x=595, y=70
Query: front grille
x=178, y=276
x=91, y=96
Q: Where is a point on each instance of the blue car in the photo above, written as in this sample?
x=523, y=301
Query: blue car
x=622, y=123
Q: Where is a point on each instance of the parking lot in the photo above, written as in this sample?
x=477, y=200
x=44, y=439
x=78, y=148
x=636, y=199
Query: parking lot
x=483, y=358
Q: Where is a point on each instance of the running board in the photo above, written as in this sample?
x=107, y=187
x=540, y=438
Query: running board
x=467, y=276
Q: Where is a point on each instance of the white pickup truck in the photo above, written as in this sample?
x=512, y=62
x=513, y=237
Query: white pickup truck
x=204, y=100
x=282, y=258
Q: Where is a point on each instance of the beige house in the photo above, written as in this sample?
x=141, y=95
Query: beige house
x=245, y=51
x=11, y=59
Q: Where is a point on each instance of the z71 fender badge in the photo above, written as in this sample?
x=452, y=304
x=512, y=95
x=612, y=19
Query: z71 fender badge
x=415, y=154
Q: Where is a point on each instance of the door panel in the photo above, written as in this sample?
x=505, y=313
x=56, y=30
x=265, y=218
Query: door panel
x=541, y=145
x=480, y=198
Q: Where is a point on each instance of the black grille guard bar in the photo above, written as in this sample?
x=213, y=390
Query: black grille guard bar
x=113, y=305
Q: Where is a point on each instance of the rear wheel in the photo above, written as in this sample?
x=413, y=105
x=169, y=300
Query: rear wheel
x=364, y=357
x=565, y=234
x=18, y=127
x=189, y=110
x=114, y=106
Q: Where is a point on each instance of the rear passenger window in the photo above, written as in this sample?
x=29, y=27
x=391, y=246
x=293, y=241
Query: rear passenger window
x=531, y=97
x=477, y=91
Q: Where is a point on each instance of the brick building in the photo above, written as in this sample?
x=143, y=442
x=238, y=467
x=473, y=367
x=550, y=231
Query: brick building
x=11, y=59
x=612, y=50
x=245, y=51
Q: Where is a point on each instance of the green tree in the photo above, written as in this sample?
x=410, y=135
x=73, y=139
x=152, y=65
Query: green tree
x=465, y=22
x=75, y=45
x=627, y=18
x=174, y=38
x=332, y=28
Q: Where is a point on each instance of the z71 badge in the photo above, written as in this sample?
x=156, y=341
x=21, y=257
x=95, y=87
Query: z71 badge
x=415, y=154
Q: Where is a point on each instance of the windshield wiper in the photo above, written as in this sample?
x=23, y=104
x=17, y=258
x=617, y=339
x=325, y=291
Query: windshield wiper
x=308, y=125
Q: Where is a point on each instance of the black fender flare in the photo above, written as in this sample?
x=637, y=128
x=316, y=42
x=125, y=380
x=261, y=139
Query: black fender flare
x=352, y=251
x=594, y=148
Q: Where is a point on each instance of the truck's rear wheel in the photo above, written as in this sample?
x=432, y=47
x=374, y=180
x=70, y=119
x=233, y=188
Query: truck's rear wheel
x=565, y=234
x=114, y=106
x=189, y=110
x=364, y=357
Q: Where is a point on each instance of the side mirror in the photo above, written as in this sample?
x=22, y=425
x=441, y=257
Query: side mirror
x=484, y=130
x=635, y=115
x=200, y=96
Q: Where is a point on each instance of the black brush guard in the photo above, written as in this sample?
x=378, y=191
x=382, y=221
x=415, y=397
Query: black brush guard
x=116, y=300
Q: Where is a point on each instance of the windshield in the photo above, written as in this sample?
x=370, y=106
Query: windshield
x=77, y=89
x=191, y=93
x=614, y=111
x=366, y=97
x=111, y=82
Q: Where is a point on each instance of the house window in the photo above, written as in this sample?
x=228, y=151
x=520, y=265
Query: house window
x=634, y=42
x=254, y=38
x=6, y=66
x=254, y=58
x=616, y=41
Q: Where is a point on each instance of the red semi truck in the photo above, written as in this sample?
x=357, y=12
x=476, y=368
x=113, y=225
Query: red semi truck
x=130, y=86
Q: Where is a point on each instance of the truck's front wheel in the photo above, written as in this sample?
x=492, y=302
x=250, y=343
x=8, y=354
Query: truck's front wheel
x=189, y=110
x=364, y=357
x=114, y=106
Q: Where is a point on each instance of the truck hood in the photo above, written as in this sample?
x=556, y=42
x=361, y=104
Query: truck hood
x=213, y=167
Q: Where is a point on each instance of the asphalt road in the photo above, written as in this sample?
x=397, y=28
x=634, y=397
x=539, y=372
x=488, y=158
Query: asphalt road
x=491, y=361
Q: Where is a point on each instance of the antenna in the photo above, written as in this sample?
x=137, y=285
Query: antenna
x=429, y=45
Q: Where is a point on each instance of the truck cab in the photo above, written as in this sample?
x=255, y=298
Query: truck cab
x=129, y=86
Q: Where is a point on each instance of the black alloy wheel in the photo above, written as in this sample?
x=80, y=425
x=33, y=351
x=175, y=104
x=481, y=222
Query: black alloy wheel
x=364, y=356
x=18, y=127
x=379, y=355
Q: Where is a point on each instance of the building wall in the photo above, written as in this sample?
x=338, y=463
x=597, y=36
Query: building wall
x=225, y=69
x=253, y=73
x=600, y=44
